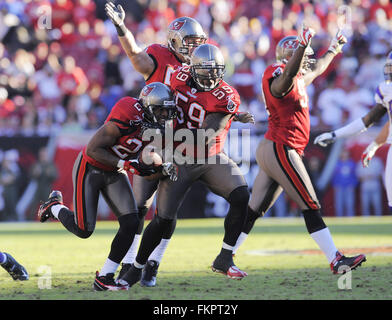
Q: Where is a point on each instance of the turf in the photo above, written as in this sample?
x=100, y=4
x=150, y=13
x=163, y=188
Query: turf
x=280, y=257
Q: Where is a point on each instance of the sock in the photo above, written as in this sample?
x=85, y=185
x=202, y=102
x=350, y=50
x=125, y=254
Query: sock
x=131, y=254
x=158, y=252
x=109, y=267
x=240, y=241
x=56, y=210
x=152, y=236
x=324, y=240
x=3, y=258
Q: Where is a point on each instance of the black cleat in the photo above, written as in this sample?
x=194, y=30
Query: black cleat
x=107, y=283
x=341, y=264
x=226, y=266
x=132, y=276
x=16, y=270
x=149, y=274
x=124, y=268
x=44, y=212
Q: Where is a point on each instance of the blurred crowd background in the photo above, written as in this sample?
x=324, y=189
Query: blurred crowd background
x=66, y=76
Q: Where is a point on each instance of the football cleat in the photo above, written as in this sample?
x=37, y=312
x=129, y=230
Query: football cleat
x=44, y=212
x=16, y=270
x=124, y=268
x=132, y=276
x=341, y=264
x=107, y=283
x=149, y=274
x=228, y=268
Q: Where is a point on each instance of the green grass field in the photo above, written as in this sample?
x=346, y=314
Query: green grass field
x=279, y=256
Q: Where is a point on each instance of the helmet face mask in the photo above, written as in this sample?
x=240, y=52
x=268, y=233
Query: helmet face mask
x=388, y=71
x=207, y=67
x=184, y=35
x=388, y=68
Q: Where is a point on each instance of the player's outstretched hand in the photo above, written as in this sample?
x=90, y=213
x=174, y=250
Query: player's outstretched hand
x=244, y=117
x=115, y=14
x=325, y=139
x=337, y=42
x=305, y=36
x=368, y=154
x=171, y=170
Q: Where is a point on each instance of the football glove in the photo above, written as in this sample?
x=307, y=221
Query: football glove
x=244, y=117
x=135, y=167
x=116, y=15
x=325, y=139
x=368, y=154
x=171, y=170
x=337, y=43
x=305, y=36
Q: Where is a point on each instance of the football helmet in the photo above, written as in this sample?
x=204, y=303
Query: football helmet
x=184, y=35
x=285, y=49
x=158, y=103
x=207, y=66
x=388, y=68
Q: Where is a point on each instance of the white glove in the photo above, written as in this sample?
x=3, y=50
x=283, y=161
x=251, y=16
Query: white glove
x=369, y=152
x=325, y=139
x=305, y=36
x=116, y=15
x=337, y=43
x=171, y=170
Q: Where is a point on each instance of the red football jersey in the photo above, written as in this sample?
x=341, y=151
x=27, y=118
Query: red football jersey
x=288, y=120
x=193, y=106
x=166, y=62
x=126, y=113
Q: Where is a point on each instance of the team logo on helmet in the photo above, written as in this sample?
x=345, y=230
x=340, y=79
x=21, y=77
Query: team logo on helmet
x=177, y=25
x=146, y=91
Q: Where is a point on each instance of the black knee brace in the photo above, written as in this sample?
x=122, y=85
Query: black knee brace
x=239, y=196
x=313, y=220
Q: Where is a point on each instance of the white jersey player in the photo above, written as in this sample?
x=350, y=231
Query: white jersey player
x=383, y=98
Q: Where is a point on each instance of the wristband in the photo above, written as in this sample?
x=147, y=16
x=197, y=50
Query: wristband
x=121, y=30
x=120, y=164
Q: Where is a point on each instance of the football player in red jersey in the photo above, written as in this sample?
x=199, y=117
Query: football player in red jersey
x=100, y=168
x=206, y=102
x=279, y=154
x=156, y=63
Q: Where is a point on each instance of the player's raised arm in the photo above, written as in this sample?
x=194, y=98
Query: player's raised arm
x=353, y=128
x=322, y=64
x=283, y=83
x=140, y=59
